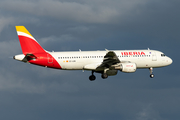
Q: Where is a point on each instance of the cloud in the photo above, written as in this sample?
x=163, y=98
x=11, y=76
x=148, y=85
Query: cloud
x=148, y=113
x=8, y=48
x=86, y=11
x=62, y=10
x=5, y=21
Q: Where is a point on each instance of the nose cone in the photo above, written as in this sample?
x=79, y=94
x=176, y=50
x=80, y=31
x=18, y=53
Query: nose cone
x=170, y=61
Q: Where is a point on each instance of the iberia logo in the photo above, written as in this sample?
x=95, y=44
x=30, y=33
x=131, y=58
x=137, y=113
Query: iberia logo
x=133, y=53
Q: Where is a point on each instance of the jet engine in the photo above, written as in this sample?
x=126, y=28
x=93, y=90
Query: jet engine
x=126, y=67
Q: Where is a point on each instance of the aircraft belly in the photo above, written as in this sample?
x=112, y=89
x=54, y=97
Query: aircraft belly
x=71, y=66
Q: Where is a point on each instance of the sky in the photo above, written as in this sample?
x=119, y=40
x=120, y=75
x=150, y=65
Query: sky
x=38, y=93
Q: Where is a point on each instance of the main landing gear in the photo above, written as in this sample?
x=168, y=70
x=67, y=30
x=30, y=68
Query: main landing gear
x=104, y=75
x=151, y=71
x=92, y=77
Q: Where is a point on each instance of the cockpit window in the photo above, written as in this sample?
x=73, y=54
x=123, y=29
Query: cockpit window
x=163, y=55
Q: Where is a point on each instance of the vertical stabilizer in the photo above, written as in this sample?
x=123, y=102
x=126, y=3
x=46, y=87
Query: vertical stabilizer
x=28, y=42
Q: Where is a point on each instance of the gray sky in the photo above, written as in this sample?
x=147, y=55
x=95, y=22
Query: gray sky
x=33, y=92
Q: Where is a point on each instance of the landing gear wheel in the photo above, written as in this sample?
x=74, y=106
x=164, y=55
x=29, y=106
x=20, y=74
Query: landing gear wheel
x=104, y=76
x=92, y=77
x=151, y=72
x=151, y=75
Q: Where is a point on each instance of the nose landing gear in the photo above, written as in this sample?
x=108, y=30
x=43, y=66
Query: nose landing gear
x=151, y=72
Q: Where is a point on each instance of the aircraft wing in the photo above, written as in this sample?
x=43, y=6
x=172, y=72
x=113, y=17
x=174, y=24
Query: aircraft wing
x=109, y=59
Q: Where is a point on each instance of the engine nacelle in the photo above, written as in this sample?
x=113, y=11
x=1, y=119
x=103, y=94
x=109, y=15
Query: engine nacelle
x=111, y=72
x=126, y=67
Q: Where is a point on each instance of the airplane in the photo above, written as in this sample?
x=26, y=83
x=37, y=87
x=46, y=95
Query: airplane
x=107, y=62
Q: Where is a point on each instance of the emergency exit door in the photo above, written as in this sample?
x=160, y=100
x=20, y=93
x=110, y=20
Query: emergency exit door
x=154, y=57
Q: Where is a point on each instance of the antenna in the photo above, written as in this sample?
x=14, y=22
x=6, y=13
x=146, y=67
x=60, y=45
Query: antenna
x=107, y=50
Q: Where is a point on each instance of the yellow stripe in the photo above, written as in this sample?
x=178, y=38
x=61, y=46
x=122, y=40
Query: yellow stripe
x=23, y=29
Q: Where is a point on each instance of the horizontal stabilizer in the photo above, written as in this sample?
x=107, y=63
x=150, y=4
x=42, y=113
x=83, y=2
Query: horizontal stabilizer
x=24, y=58
x=29, y=57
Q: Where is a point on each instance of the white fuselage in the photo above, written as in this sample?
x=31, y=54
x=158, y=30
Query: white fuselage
x=142, y=58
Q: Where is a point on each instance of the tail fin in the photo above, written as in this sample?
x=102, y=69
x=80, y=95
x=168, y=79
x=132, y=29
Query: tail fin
x=28, y=42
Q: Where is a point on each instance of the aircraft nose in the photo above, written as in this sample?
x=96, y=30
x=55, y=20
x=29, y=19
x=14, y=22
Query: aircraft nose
x=170, y=61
